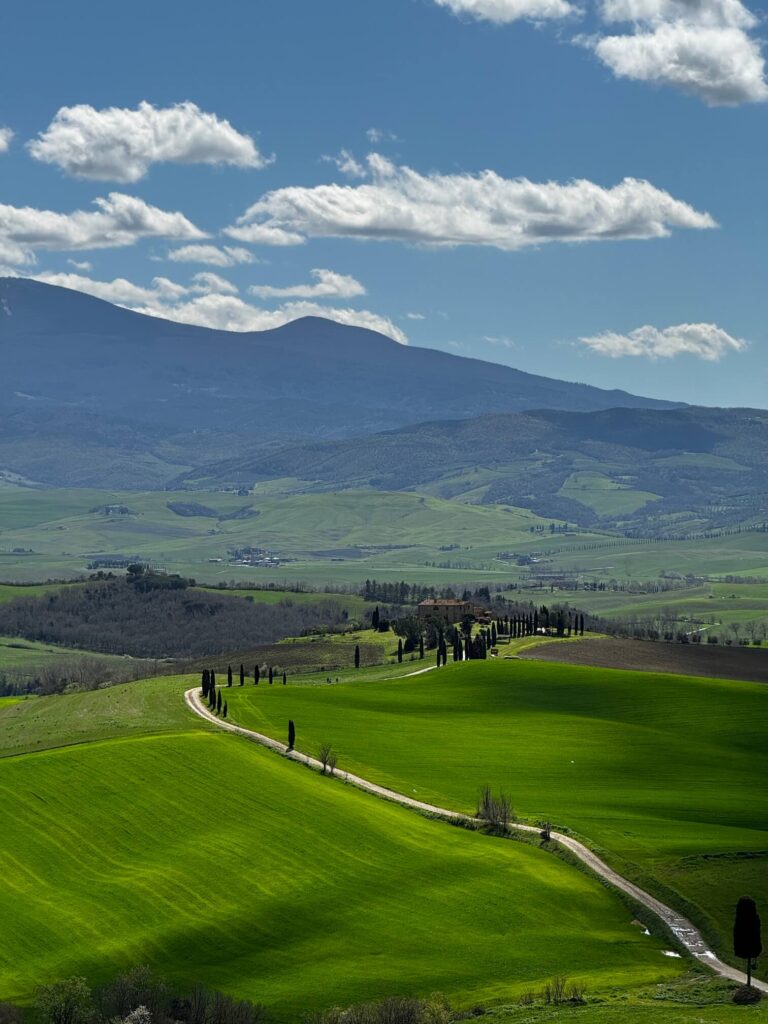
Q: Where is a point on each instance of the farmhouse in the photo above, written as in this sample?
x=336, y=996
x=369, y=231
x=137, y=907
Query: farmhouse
x=444, y=608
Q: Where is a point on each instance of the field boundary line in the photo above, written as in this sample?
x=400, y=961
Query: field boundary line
x=684, y=931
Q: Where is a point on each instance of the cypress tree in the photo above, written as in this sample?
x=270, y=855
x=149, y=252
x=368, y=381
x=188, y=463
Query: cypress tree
x=242, y=675
x=271, y=674
x=357, y=655
x=375, y=618
x=291, y=734
x=205, y=683
x=285, y=678
x=747, y=941
x=229, y=675
x=421, y=646
x=399, y=650
x=218, y=701
x=224, y=710
x=213, y=678
x=256, y=675
x=212, y=697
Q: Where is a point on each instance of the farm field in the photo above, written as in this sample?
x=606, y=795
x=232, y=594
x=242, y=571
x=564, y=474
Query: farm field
x=334, y=538
x=656, y=771
x=715, y=661
x=187, y=839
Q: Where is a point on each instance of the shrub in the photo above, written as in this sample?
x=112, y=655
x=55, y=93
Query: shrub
x=746, y=995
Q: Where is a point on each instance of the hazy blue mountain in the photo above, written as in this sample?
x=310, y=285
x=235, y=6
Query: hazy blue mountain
x=95, y=395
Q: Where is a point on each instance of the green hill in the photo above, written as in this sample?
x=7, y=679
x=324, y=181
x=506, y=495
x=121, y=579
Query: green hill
x=133, y=833
x=659, y=772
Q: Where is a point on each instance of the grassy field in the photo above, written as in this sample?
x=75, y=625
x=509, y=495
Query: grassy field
x=603, y=495
x=660, y=772
x=334, y=538
x=154, y=838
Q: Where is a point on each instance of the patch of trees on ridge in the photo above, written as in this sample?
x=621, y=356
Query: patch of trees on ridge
x=150, y=615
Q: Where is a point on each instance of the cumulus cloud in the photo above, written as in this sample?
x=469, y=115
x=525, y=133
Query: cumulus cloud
x=264, y=234
x=347, y=164
x=400, y=204
x=707, y=341
x=376, y=135
x=503, y=12
x=210, y=301
x=5, y=139
x=701, y=47
x=118, y=220
x=80, y=264
x=328, y=284
x=119, y=144
x=212, y=255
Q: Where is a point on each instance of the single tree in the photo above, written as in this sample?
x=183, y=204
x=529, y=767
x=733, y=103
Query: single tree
x=285, y=678
x=242, y=675
x=747, y=941
x=229, y=675
x=256, y=675
x=357, y=655
x=399, y=650
x=218, y=702
x=291, y=734
x=224, y=710
x=65, y=1002
x=421, y=646
x=375, y=618
x=271, y=674
x=324, y=754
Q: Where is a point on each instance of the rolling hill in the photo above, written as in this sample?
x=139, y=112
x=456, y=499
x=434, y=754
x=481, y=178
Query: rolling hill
x=616, y=465
x=95, y=395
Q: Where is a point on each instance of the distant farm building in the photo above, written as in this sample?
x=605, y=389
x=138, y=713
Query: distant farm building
x=445, y=608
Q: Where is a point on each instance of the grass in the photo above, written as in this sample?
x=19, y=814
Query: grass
x=603, y=495
x=659, y=772
x=152, y=837
x=338, y=538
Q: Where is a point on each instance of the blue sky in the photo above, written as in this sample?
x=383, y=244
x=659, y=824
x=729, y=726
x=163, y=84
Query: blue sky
x=441, y=91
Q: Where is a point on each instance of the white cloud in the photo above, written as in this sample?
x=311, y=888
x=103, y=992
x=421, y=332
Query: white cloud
x=5, y=139
x=707, y=341
x=212, y=255
x=328, y=284
x=80, y=264
x=503, y=12
x=415, y=316
x=118, y=144
x=118, y=220
x=376, y=135
x=400, y=204
x=722, y=66
x=698, y=46
x=208, y=302
x=347, y=164
x=264, y=234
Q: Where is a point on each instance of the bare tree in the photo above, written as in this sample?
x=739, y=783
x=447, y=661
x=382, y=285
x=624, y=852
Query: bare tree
x=324, y=755
x=332, y=761
x=495, y=810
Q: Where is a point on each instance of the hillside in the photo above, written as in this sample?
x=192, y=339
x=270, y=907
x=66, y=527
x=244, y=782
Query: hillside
x=608, y=464
x=96, y=395
x=154, y=839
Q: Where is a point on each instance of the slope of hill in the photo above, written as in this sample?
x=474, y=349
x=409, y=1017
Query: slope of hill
x=609, y=464
x=95, y=395
x=135, y=827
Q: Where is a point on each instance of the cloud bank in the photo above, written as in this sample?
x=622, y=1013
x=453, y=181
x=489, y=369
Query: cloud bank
x=212, y=255
x=707, y=341
x=211, y=301
x=402, y=205
x=118, y=144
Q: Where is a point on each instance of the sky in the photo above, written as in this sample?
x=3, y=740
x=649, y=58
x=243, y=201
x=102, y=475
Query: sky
x=577, y=189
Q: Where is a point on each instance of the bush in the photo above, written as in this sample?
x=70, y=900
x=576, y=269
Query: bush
x=746, y=995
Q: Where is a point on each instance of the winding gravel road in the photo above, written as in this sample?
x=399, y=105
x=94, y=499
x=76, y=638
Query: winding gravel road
x=686, y=933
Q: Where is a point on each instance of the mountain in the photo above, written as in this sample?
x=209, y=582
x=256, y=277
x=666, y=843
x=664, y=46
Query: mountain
x=95, y=395
x=700, y=468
